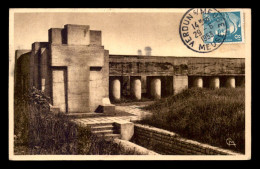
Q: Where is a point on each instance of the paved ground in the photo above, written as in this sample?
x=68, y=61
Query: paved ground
x=134, y=109
x=131, y=108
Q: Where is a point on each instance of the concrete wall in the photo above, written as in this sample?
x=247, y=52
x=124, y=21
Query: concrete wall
x=35, y=63
x=55, y=36
x=95, y=38
x=22, y=72
x=86, y=86
x=165, y=142
x=179, y=68
x=45, y=75
x=18, y=53
x=134, y=65
x=72, y=68
x=77, y=34
x=87, y=66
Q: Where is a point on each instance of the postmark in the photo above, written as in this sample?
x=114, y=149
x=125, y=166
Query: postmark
x=203, y=30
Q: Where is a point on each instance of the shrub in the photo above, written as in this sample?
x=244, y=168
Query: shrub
x=205, y=115
x=38, y=131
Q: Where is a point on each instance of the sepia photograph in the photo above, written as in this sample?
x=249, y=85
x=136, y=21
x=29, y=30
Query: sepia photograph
x=129, y=84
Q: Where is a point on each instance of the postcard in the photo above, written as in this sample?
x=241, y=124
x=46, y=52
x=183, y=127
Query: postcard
x=129, y=84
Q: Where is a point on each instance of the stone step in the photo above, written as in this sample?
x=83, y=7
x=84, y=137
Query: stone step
x=103, y=132
x=103, y=127
x=100, y=124
x=84, y=115
x=109, y=137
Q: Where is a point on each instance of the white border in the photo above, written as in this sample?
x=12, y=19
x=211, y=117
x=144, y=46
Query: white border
x=247, y=155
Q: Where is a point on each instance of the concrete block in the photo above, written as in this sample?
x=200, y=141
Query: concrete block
x=126, y=129
x=55, y=35
x=18, y=53
x=95, y=37
x=77, y=34
x=38, y=45
x=106, y=101
x=107, y=109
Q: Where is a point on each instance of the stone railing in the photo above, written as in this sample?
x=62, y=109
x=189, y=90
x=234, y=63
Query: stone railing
x=165, y=142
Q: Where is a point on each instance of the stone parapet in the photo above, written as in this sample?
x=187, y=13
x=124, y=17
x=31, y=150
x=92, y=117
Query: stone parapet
x=170, y=143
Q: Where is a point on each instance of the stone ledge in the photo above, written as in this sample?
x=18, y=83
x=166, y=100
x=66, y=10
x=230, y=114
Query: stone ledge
x=186, y=144
x=126, y=129
x=134, y=147
x=157, y=130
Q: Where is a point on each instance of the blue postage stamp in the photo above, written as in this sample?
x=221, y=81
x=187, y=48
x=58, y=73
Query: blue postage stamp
x=230, y=33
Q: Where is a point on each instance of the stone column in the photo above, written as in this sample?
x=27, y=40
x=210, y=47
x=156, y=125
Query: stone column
x=198, y=82
x=156, y=88
x=116, y=89
x=231, y=82
x=179, y=83
x=136, y=89
x=214, y=83
x=43, y=84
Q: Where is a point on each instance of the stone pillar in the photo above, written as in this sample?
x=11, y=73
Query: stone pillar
x=43, y=85
x=179, y=83
x=116, y=89
x=198, y=82
x=156, y=88
x=214, y=83
x=136, y=89
x=231, y=82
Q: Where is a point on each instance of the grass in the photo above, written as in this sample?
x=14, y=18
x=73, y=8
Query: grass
x=38, y=131
x=208, y=116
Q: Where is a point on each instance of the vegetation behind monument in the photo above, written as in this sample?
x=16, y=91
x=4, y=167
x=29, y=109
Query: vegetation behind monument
x=208, y=116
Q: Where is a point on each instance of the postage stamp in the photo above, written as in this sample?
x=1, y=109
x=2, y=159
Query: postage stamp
x=233, y=20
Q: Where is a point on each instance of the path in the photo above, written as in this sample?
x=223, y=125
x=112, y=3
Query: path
x=132, y=108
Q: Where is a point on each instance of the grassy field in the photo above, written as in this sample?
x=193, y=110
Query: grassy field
x=205, y=115
x=37, y=131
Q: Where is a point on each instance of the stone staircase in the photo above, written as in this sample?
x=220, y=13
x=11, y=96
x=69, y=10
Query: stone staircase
x=106, y=130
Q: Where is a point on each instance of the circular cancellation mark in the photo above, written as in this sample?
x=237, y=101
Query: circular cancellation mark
x=203, y=30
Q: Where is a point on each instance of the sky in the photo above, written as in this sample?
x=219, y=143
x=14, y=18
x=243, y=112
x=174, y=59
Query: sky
x=122, y=32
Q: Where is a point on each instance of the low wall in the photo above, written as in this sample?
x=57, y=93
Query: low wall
x=165, y=142
x=134, y=147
